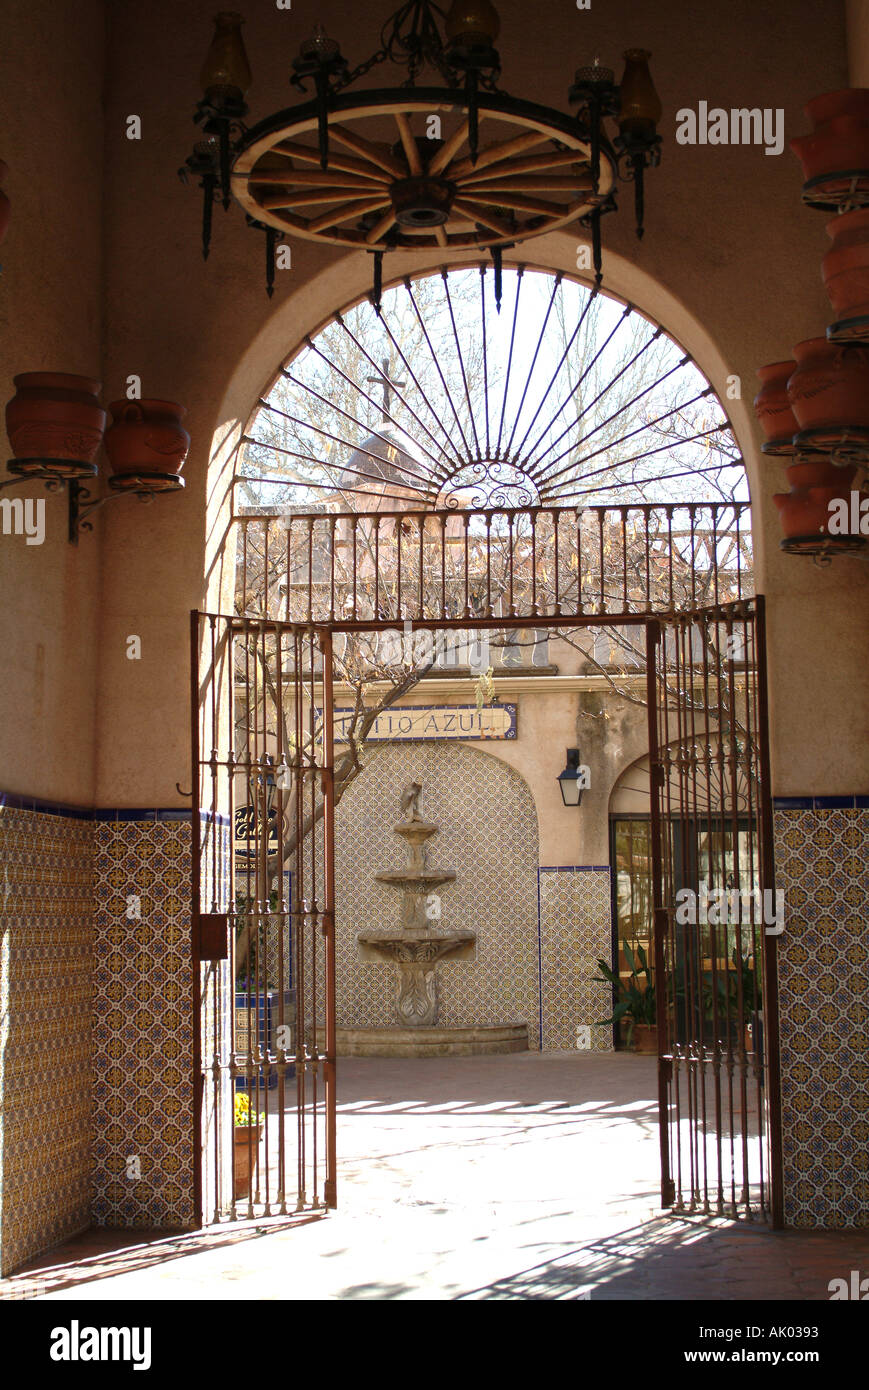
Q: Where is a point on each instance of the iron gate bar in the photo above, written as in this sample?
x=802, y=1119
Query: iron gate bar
x=704, y=759
x=222, y=648
x=773, y=1042
x=664, y=563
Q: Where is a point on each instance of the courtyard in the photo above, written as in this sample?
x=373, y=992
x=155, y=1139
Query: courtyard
x=528, y=1176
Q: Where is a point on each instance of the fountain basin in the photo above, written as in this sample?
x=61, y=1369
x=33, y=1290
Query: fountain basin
x=416, y=881
x=416, y=947
x=478, y=1040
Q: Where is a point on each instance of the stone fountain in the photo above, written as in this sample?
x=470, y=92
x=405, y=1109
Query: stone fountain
x=417, y=946
x=414, y=950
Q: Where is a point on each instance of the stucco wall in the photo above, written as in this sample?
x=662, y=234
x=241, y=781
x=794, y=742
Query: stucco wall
x=51, y=79
x=729, y=263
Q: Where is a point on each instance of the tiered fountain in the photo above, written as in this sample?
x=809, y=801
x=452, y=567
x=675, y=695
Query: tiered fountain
x=415, y=950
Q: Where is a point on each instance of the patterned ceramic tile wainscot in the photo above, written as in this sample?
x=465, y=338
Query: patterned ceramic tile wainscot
x=46, y=939
x=823, y=867
x=142, y=1011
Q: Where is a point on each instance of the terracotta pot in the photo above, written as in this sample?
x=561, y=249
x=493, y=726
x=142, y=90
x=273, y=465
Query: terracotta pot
x=147, y=436
x=820, y=472
x=805, y=511
x=645, y=1038
x=771, y=404
x=244, y=1153
x=55, y=415
x=830, y=387
x=840, y=139
x=846, y=264
x=5, y=205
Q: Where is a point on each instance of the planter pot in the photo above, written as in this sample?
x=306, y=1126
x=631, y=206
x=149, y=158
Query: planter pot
x=55, y=415
x=830, y=387
x=646, y=1039
x=147, y=436
x=820, y=472
x=846, y=264
x=243, y=1157
x=805, y=511
x=771, y=404
x=5, y=205
x=839, y=141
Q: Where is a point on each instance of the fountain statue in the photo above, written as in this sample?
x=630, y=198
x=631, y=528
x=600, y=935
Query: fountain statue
x=417, y=946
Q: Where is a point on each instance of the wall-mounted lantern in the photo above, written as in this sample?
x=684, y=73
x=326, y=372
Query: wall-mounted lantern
x=573, y=780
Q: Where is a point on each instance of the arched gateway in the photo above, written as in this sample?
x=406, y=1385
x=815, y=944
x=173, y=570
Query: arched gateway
x=449, y=488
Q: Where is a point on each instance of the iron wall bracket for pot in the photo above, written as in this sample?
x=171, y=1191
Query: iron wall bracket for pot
x=843, y=444
x=854, y=331
x=838, y=191
x=144, y=485
x=58, y=474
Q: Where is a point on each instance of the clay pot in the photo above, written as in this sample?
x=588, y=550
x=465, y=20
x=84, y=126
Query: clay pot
x=820, y=472
x=54, y=415
x=846, y=264
x=771, y=404
x=840, y=139
x=805, y=511
x=5, y=205
x=245, y=1143
x=645, y=1038
x=147, y=437
x=830, y=387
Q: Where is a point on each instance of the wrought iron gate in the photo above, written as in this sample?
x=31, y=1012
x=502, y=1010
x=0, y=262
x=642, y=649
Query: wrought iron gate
x=263, y=871
x=715, y=912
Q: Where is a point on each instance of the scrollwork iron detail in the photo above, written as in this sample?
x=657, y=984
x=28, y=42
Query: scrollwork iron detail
x=488, y=483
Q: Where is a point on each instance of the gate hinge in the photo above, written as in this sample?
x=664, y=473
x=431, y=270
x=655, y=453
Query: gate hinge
x=210, y=936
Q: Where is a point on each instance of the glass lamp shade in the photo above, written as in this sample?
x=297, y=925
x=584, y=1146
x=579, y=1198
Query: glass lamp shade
x=569, y=781
x=473, y=23
x=640, y=104
x=319, y=46
x=226, y=72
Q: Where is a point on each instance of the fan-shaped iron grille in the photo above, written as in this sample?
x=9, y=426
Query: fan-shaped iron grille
x=563, y=397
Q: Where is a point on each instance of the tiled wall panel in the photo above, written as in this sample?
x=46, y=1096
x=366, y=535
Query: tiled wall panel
x=575, y=926
x=46, y=939
x=823, y=867
x=142, y=1021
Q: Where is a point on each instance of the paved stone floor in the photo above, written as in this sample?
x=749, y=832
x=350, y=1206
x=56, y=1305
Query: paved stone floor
x=523, y=1176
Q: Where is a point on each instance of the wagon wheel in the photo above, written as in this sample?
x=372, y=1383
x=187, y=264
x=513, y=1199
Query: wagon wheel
x=388, y=186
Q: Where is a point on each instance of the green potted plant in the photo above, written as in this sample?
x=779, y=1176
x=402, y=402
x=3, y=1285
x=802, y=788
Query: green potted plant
x=635, y=1000
x=726, y=996
x=245, y=1144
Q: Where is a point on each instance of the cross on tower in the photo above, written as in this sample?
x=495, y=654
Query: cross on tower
x=386, y=384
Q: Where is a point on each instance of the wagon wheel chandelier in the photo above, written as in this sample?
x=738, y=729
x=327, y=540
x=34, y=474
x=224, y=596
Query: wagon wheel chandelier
x=463, y=166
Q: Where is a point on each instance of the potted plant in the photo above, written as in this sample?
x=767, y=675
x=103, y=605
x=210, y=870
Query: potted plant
x=726, y=995
x=245, y=1144
x=635, y=1000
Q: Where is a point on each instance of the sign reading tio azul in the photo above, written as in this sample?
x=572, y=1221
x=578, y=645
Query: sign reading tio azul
x=436, y=722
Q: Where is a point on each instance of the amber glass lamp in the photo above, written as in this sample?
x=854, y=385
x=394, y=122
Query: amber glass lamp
x=640, y=107
x=472, y=23
x=226, y=73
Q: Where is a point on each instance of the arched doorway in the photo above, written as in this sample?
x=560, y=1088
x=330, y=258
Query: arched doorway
x=377, y=500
